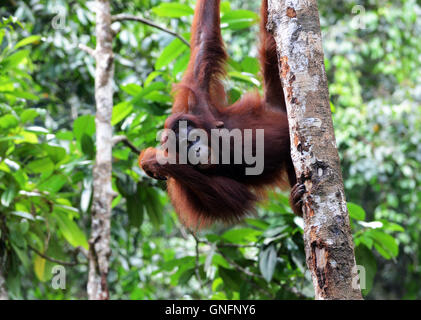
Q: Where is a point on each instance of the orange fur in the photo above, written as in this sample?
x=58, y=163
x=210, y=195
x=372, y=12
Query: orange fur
x=202, y=195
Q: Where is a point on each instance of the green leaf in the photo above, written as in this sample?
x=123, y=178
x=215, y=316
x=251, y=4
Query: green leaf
x=234, y=65
x=84, y=124
x=365, y=258
x=87, y=145
x=213, y=237
x=24, y=226
x=245, y=290
x=382, y=251
x=332, y=107
x=121, y=111
x=225, y=6
x=28, y=115
x=187, y=262
x=64, y=135
x=153, y=87
x=70, y=230
x=54, y=183
x=181, y=63
x=22, y=94
x=244, y=77
x=153, y=206
x=267, y=262
x=22, y=255
x=4, y=146
x=391, y=226
x=234, y=94
x=158, y=97
x=131, y=89
x=366, y=240
x=8, y=121
x=126, y=185
x=274, y=231
x=384, y=243
x=257, y=223
x=250, y=65
x=238, y=19
x=135, y=210
x=40, y=165
x=186, y=276
x=37, y=129
x=151, y=77
x=232, y=279
x=241, y=235
x=55, y=153
x=172, y=10
x=15, y=59
x=138, y=100
x=17, y=238
x=28, y=137
x=171, y=52
x=26, y=41
x=355, y=211
x=8, y=195
x=21, y=214
x=39, y=268
x=2, y=33
x=219, y=260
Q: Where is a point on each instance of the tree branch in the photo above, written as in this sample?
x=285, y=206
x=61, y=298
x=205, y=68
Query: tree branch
x=83, y=251
x=240, y=268
x=87, y=49
x=196, y=269
x=126, y=142
x=64, y=263
x=128, y=17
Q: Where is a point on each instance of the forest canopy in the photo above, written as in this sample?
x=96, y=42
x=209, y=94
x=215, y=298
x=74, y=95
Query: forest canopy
x=47, y=152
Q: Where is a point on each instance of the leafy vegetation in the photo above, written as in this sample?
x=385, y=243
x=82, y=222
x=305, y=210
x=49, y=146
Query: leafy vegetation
x=47, y=148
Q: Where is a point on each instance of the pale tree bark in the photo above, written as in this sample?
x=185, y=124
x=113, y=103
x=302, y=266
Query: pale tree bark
x=99, y=241
x=327, y=235
x=3, y=291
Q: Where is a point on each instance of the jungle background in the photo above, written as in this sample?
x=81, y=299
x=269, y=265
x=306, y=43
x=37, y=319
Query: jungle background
x=47, y=148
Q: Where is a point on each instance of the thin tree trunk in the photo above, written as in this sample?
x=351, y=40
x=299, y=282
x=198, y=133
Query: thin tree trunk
x=3, y=291
x=101, y=206
x=327, y=235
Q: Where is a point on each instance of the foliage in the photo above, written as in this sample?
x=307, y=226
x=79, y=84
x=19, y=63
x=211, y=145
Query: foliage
x=39, y=171
x=47, y=146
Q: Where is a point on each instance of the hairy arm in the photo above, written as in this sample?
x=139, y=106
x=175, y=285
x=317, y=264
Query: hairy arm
x=201, y=88
x=274, y=95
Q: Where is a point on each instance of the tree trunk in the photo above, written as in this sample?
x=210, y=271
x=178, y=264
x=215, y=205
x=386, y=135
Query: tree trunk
x=103, y=194
x=3, y=291
x=327, y=235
